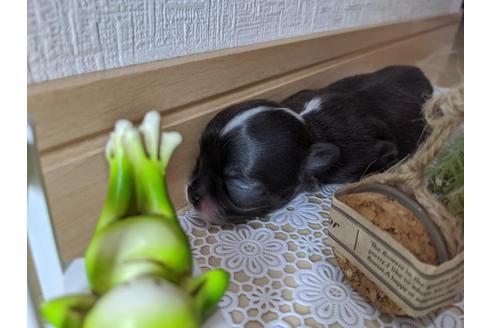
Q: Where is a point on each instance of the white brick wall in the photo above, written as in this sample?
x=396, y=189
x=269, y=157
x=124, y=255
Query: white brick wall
x=69, y=37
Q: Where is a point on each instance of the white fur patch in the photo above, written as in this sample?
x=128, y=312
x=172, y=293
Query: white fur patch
x=312, y=106
x=240, y=119
x=439, y=90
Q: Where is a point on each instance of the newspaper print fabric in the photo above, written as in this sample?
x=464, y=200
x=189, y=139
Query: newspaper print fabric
x=284, y=274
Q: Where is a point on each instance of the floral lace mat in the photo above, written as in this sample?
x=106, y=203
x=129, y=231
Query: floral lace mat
x=283, y=271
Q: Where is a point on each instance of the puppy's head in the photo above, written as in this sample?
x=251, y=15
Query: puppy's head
x=253, y=158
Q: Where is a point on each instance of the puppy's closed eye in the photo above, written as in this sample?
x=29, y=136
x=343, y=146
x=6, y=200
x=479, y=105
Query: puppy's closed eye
x=244, y=192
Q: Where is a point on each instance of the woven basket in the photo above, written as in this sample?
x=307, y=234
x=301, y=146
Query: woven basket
x=444, y=116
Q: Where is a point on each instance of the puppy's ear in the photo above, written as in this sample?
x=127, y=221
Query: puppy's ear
x=322, y=156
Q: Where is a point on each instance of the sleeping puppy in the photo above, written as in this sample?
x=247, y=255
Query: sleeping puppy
x=257, y=155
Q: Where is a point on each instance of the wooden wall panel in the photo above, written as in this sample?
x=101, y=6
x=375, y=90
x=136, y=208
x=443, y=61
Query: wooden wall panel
x=87, y=105
x=76, y=172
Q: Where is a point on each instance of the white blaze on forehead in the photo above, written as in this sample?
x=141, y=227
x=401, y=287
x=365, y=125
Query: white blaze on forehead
x=240, y=119
x=311, y=106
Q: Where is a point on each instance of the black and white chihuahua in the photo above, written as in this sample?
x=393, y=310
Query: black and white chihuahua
x=257, y=155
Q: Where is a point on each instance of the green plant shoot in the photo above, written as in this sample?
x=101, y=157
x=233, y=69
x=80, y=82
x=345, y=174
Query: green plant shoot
x=446, y=177
x=139, y=262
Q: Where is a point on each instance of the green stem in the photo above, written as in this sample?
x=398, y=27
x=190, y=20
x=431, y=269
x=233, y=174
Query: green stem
x=119, y=197
x=68, y=311
x=152, y=197
x=208, y=289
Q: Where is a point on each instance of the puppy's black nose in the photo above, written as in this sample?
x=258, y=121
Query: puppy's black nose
x=193, y=196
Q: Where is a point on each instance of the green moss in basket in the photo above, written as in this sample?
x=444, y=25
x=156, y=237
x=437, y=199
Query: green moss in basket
x=446, y=177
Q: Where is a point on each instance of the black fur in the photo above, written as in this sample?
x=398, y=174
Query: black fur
x=365, y=123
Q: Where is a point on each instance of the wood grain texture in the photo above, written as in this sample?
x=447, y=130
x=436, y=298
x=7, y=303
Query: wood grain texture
x=84, y=106
x=76, y=174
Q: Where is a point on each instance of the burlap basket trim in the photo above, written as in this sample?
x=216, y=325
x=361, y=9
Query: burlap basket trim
x=444, y=115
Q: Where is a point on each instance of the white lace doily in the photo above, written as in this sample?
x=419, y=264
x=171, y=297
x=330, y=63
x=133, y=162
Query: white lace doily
x=283, y=272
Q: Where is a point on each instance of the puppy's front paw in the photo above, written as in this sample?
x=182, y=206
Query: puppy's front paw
x=387, y=154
